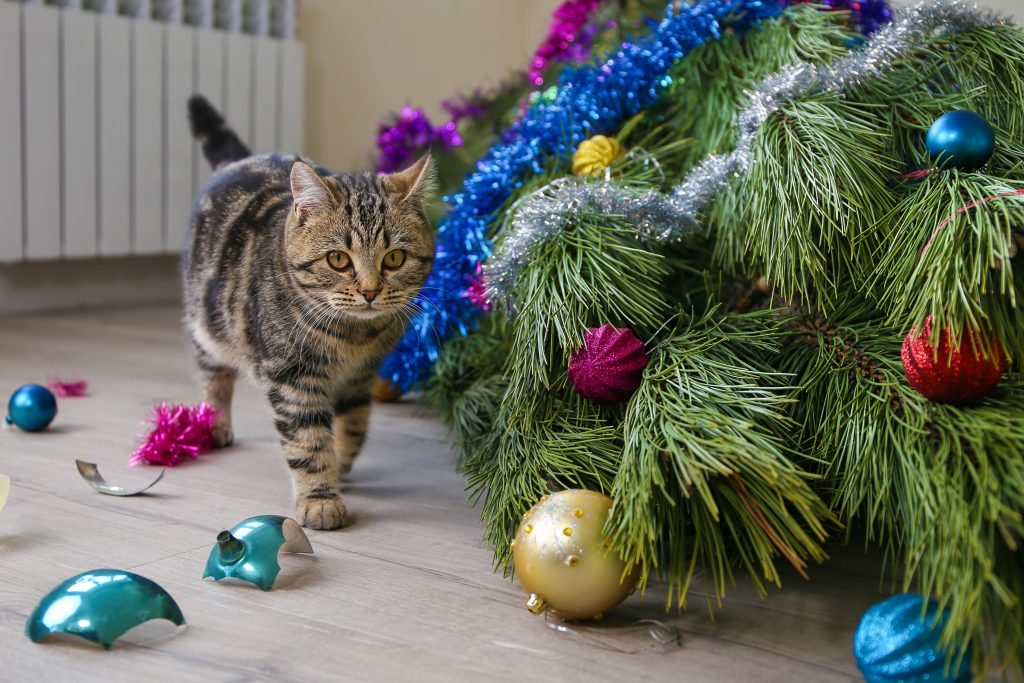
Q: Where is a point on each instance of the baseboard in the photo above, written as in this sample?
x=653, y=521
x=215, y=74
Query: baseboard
x=88, y=283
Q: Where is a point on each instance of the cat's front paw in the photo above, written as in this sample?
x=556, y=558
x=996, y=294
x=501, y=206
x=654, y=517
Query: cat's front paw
x=223, y=435
x=320, y=513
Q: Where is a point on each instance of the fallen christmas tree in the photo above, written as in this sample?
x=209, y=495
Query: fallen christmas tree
x=821, y=263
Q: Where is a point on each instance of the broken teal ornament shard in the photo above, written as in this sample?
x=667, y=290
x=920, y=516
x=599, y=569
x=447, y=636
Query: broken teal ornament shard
x=249, y=551
x=101, y=605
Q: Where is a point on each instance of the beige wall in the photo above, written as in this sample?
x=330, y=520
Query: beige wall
x=365, y=59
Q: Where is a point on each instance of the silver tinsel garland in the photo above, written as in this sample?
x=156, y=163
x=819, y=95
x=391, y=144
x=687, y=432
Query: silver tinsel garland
x=675, y=216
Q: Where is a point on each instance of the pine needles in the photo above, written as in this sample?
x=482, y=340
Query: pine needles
x=960, y=273
x=943, y=486
x=706, y=479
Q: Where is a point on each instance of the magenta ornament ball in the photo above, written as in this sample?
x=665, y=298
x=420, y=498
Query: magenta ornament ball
x=609, y=366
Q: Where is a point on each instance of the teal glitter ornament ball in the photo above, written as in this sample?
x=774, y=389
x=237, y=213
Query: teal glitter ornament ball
x=31, y=408
x=893, y=643
x=960, y=139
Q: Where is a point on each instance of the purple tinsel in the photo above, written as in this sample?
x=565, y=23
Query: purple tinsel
x=867, y=16
x=465, y=106
x=400, y=141
x=409, y=135
x=568, y=38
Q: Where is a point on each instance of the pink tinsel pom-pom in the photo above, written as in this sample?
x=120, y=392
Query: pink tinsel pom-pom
x=178, y=432
x=76, y=389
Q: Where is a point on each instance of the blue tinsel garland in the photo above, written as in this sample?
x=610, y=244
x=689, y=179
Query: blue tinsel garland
x=591, y=99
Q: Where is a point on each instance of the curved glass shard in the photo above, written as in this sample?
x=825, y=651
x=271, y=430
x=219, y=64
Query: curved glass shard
x=249, y=551
x=101, y=605
x=91, y=474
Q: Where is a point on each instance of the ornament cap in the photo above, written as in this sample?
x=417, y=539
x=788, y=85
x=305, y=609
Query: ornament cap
x=535, y=603
x=596, y=154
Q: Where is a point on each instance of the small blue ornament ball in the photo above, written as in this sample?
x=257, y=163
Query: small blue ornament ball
x=32, y=408
x=960, y=139
x=893, y=644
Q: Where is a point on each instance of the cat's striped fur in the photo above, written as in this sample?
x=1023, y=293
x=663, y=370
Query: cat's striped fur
x=262, y=296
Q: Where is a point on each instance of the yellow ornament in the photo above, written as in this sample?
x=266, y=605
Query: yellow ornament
x=563, y=560
x=596, y=154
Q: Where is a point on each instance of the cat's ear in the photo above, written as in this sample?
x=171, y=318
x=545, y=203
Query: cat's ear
x=309, y=194
x=415, y=184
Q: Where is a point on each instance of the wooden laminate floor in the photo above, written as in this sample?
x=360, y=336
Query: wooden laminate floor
x=406, y=593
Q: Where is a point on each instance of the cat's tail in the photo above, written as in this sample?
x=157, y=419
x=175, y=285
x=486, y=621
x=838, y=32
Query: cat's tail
x=221, y=145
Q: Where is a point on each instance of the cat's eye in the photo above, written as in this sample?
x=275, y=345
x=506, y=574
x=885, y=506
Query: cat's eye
x=394, y=258
x=338, y=260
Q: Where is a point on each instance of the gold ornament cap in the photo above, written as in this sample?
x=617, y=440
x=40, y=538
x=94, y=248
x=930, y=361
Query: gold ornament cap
x=563, y=560
x=596, y=154
x=385, y=392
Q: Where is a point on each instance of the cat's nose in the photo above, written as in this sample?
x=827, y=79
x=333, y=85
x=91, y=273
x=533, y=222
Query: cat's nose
x=369, y=294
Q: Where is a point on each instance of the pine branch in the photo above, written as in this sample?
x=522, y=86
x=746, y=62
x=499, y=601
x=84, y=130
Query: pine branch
x=961, y=275
x=706, y=482
x=818, y=185
x=546, y=445
x=594, y=271
x=943, y=486
x=467, y=386
x=709, y=86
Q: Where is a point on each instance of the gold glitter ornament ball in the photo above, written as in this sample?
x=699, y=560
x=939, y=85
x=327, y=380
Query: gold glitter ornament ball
x=563, y=560
x=595, y=154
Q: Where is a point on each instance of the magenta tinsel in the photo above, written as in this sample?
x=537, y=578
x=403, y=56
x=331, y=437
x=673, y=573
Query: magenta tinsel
x=178, y=432
x=568, y=38
x=75, y=389
x=476, y=291
x=609, y=366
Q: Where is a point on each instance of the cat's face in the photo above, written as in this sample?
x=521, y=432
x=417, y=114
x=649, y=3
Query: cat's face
x=360, y=245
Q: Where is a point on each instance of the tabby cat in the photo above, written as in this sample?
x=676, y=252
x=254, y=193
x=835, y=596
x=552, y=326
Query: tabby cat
x=305, y=280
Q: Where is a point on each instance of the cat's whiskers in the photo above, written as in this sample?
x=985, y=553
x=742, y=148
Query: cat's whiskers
x=406, y=312
x=311, y=325
x=315, y=314
x=433, y=328
x=443, y=291
x=298, y=317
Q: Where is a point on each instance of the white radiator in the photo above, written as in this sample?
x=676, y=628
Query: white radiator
x=96, y=158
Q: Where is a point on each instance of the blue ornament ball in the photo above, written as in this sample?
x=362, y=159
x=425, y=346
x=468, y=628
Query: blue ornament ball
x=893, y=644
x=32, y=408
x=960, y=139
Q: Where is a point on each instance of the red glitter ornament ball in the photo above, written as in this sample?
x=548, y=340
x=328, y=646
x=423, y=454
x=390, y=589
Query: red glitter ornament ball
x=609, y=367
x=950, y=376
